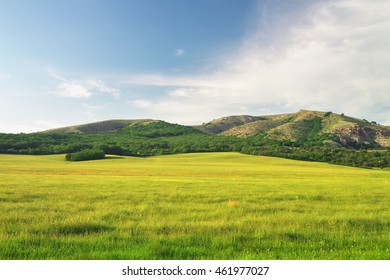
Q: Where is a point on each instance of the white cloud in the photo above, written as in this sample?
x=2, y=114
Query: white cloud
x=101, y=86
x=334, y=58
x=179, y=52
x=74, y=90
x=54, y=75
x=82, y=89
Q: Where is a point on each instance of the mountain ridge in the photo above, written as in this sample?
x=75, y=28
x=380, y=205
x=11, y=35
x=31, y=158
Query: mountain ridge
x=289, y=128
x=97, y=127
x=346, y=131
x=304, y=135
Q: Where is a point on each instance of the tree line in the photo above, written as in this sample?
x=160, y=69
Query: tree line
x=164, y=139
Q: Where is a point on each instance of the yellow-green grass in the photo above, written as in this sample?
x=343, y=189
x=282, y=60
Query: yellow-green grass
x=191, y=206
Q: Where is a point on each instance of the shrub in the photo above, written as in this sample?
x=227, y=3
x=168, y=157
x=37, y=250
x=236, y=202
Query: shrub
x=88, y=154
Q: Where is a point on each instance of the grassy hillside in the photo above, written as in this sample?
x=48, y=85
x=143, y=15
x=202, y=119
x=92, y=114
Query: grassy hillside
x=262, y=125
x=191, y=206
x=226, y=123
x=333, y=129
x=143, y=127
x=97, y=127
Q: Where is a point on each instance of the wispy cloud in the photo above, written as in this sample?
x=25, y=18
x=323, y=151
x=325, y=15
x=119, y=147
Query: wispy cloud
x=179, y=52
x=100, y=86
x=81, y=89
x=74, y=90
x=334, y=58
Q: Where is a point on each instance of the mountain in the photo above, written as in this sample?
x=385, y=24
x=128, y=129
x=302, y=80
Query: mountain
x=335, y=129
x=141, y=128
x=299, y=127
x=97, y=127
x=304, y=135
x=226, y=123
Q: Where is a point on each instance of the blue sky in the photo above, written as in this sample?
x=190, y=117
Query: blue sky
x=78, y=61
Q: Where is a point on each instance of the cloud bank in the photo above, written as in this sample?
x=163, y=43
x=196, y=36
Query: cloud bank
x=334, y=57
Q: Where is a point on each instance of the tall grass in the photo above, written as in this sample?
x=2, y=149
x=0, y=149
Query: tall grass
x=192, y=206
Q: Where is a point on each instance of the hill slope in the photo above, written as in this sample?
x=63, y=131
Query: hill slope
x=96, y=127
x=226, y=123
x=299, y=128
x=142, y=128
x=334, y=129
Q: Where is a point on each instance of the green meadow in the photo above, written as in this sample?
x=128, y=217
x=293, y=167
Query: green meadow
x=191, y=206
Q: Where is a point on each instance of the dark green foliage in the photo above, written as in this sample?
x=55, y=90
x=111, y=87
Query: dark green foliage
x=150, y=138
x=112, y=149
x=89, y=154
x=341, y=156
x=155, y=129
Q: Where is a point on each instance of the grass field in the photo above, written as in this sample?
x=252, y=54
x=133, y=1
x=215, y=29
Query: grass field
x=191, y=206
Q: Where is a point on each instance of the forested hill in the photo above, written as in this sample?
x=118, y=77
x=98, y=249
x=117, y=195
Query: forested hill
x=305, y=135
x=138, y=128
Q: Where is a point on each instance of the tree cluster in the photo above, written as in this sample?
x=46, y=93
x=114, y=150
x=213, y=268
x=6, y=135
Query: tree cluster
x=88, y=154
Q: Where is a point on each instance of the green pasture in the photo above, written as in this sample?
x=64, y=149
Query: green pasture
x=191, y=206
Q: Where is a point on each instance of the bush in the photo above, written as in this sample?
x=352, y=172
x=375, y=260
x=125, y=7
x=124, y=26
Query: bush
x=88, y=154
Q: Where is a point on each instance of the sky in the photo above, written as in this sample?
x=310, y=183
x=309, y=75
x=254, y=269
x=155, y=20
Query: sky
x=188, y=62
